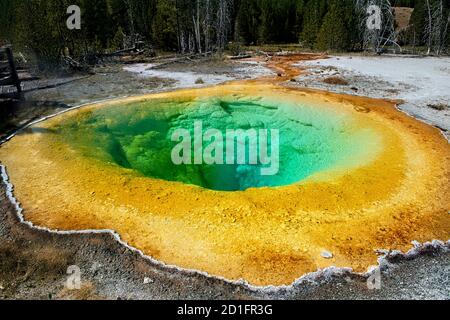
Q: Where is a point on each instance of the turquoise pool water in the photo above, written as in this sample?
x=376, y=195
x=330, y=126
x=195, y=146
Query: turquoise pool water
x=138, y=136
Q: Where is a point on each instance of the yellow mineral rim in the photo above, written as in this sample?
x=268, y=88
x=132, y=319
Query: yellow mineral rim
x=390, y=196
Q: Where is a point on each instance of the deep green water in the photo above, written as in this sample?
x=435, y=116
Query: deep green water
x=138, y=137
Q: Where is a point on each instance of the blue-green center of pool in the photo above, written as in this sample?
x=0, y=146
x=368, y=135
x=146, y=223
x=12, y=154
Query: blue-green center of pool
x=138, y=136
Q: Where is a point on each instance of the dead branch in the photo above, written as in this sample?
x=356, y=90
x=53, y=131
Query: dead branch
x=239, y=57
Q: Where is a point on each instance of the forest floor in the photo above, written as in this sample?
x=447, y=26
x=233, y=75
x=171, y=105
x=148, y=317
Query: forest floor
x=33, y=263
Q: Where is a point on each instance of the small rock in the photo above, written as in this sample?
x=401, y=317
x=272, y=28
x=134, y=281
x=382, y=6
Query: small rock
x=1, y=287
x=95, y=266
x=326, y=255
x=148, y=280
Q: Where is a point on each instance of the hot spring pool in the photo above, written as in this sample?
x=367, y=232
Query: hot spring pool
x=137, y=136
x=354, y=175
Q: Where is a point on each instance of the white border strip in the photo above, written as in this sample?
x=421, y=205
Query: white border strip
x=321, y=274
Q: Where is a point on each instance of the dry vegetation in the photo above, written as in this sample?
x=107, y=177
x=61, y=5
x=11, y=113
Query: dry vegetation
x=439, y=106
x=23, y=262
x=86, y=292
x=28, y=264
x=336, y=80
x=402, y=17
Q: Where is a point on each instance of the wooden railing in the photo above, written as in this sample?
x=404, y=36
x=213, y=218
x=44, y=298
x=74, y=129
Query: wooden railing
x=8, y=72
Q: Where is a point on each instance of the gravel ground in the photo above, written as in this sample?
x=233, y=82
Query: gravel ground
x=111, y=271
x=200, y=74
x=420, y=84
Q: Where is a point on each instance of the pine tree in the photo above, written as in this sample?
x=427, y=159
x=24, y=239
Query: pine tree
x=333, y=33
x=118, y=40
x=299, y=16
x=97, y=21
x=247, y=21
x=312, y=21
x=165, y=24
x=7, y=18
x=418, y=20
x=339, y=28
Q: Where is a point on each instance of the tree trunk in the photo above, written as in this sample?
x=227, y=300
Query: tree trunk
x=196, y=21
x=206, y=25
x=429, y=31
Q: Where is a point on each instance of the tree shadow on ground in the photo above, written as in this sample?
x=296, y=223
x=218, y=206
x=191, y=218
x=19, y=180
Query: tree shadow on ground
x=18, y=114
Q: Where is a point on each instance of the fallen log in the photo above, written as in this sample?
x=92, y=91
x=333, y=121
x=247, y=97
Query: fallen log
x=263, y=53
x=239, y=57
x=189, y=57
x=119, y=52
x=75, y=65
